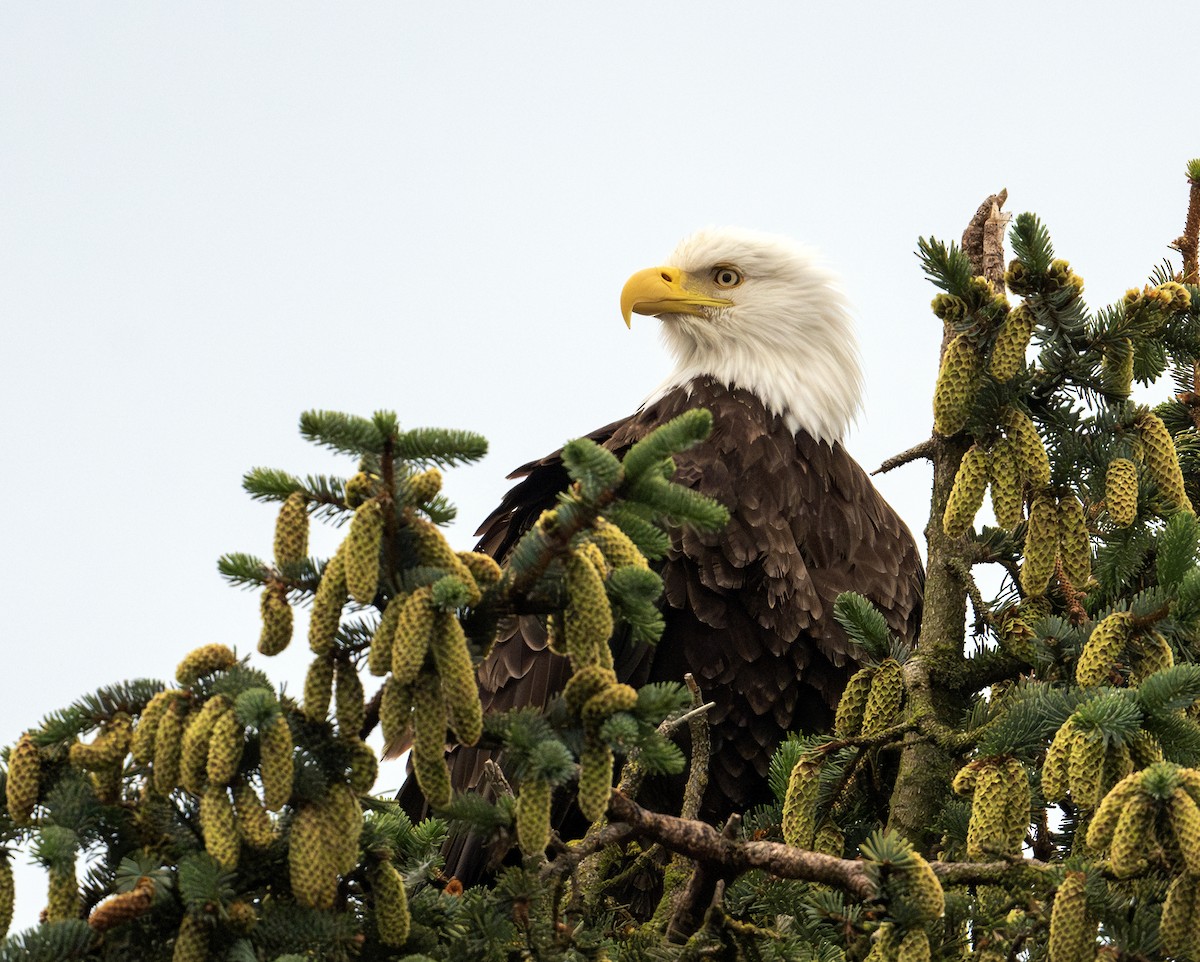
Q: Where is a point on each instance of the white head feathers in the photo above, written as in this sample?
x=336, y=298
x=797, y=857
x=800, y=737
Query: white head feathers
x=787, y=337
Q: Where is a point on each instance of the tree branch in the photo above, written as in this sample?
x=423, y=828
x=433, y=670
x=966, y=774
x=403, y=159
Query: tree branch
x=926, y=449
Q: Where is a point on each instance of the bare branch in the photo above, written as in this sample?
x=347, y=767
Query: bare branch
x=926, y=449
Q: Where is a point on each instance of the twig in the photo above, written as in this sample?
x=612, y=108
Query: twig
x=973, y=238
x=926, y=449
x=700, y=893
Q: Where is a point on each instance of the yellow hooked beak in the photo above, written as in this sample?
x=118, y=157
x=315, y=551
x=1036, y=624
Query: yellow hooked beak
x=663, y=290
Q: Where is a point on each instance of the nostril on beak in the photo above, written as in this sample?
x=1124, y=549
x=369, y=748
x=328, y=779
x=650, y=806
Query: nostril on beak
x=667, y=276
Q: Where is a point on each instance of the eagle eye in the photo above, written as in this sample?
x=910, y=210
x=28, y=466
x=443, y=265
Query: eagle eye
x=727, y=277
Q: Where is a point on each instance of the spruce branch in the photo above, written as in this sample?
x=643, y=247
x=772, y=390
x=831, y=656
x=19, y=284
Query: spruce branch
x=926, y=449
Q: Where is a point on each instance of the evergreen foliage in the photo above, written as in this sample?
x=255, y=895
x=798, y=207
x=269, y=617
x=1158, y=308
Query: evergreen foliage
x=221, y=819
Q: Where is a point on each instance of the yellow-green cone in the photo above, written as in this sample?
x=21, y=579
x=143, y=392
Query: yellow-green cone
x=966, y=497
x=391, y=905
x=1012, y=339
x=957, y=380
x=616, y=545
x=276, y=613
x=254, y=823
x=193, y=765
x=349, y=708
x=1104, y=822
x=1161, y=459
x=24, y=777
x=604, y=704
x=1085, y=769
x=1007, y=499
x=800, y=803
x=429, y=742
x=142, y=745
x=920, y=891
x=435, y=552
x=276, y=763
x=364, y=766
x=595, y=780
x=395, y=715
x=456, y=675
x=218, y=823
x=884, y=698
x=1074, y=542
x=1152, y=654
x=588, y=621
x=1028, y=448
x=291, y=530
x=848, y=721
x=414, y=631
x=1177, y=928
x=1041, y=546
x=1121, y=491
x=1133, y=836
x=63, y=900
x=1017, y=806
x=914, y=946
x=424, y=487
x=1185, y=822
x=8, y=893
x=313, y=876
x=533, y=816
x=343, y=822
x=191, y=943
x=225, y=748
x=202, y=661
x=167, y=746
x=483, y=567
x=361, y=552
x=327, y=606
x=1104, y=646
x=358, y=489
x=379, y=658
x=109, y=747
x=1055, y=772
x=318, y=689
x=986, y=833
x=1116, y=368
x=1072, y=930
x=829, y=840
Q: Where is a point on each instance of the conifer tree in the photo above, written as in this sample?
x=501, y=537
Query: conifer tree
x=1030, y=791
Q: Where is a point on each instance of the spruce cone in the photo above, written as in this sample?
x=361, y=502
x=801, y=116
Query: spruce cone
x=362, y=552
x=379, y=658
x=588, y=621
x=142, y=745
x=167, y=746
x=1007, y=499
x=349, y=708
x=291, y=530
x=1133, y=836
x=884, y=698
x=616, y=546
x=1041, y=546
x=327, y=605
x=1086, y=769
x=276, y=762
x=1027, y=445
x=1072, y=930
x=456, y=675
x=595, y=781
x=954, y=395
x=254, y=824
x=395, y=715
x=203, y=660
x=313, y=876
x=193, y=767
x=848, y=721
x=191, y=944
x=533, y=816
x=1099, y=657
x=218, y=823
x=429, y=742
x=1116, y=369
x=62, y=902
x=125, y=907
x=1074, y=540
x=1055, y=780
x=1161, y=460
x=318, y=689
x=1008, y=352
x=8, y=892
x=414, y=631
x=1121, y=492
x=966, y=497
x=800, y=803
x=391, y=905
x=225, y=748
x=24, y=775
x=424, y=487
x=276, y=620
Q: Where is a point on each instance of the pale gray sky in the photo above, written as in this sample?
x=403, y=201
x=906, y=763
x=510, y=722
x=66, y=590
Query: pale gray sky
x=216, y=215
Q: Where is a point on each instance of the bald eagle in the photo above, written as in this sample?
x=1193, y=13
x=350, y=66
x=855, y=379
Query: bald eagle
x=763, y=339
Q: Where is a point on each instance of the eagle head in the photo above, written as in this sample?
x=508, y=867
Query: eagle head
x=759, y=312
